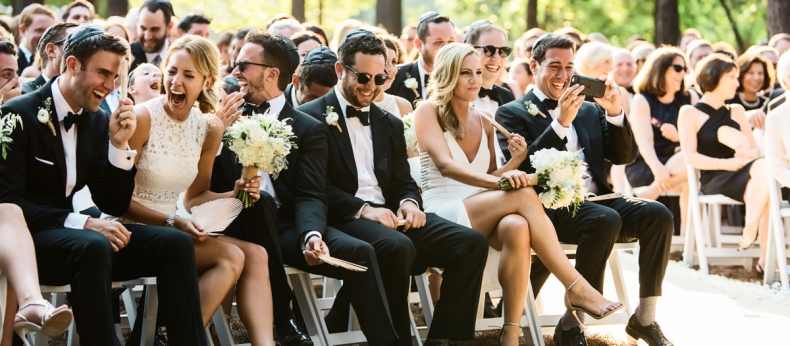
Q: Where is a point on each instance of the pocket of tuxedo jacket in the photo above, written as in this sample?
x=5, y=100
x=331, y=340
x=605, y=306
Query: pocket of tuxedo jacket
x=45, y=161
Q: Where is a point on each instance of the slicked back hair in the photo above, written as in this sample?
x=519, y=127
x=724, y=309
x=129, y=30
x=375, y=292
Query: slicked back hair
x=85, y=49
x=274, y=53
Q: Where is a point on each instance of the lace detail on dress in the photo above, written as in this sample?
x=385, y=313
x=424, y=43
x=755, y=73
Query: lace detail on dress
x=390, y=105
x=168, y=162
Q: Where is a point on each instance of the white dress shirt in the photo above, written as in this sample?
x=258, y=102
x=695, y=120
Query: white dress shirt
x=275, y=107
x=423, y=73
x=123, y=159
x=294, y=101
x=149, y=57
x=573, y=138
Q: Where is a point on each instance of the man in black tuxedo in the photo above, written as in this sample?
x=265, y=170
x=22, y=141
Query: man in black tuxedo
x=33, y=21
x=433, y=32
x=50, y=49
x=314, y=77
x=66, y=143
x=554, y=115
x=369, y=190
x=153, y=24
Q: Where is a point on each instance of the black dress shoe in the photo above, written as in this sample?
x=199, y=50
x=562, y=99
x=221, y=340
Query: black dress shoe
x=572, y=337
x=293, y=336
x=650, y=333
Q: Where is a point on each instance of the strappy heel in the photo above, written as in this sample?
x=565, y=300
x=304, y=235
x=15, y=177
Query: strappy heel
x=53, y=323
x=572, y=308
x=502, y=331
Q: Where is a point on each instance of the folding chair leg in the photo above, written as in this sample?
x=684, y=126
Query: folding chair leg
x=415, y=334
x=223, y=329
x=771, y=254
x=778, y=235
x=619, y=281
x=532, y=332
x=309, y=308
x=148, y=333
x=423, y=288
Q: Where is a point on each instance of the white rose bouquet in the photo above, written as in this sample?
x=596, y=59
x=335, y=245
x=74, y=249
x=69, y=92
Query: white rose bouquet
x=261, y=143
x=561, y=175
x=409, y=133
x=7, y=125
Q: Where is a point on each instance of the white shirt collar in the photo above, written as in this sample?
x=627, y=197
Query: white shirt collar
x=294, y=101
x=343, y=103
x=44, y=75
x=539, y=94
x=276, y=104
x=62, y=107
x=423, y=72
x=151, y=56
x=28, y=54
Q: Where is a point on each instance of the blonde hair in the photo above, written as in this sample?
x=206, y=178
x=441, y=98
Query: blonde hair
x=590, y=56
x=205, y=56
x=444, y=78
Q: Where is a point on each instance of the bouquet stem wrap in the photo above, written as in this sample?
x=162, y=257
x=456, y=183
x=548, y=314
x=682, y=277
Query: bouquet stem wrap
x=247, y=173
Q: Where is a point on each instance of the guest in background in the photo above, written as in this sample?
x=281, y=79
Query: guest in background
x=783, y=77
x=285, y=27
x=155, y=20
x=594, y=60
x=490, y=43
x=115, y=26
x=755, y=81
x=318, y=30
x=233, y=51
x=34, y=20
x=640, y=53
x=79, y=12
x=408, y=34
x=527, y=40
x=222, y=42
x=393, y=104
x=50, y=52
x=623, y=70
x=341, y=29
x=695, y=52
x=305, y=41
x=687, y=37
x=145, y=83
x=780, y=42
x=521, y=74
x=194, y=24
x=314, y=77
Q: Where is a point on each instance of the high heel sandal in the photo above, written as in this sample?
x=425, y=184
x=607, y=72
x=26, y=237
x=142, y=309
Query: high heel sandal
x=502, y=331
x=572, y=308
x=53, y=323
x=749, y=235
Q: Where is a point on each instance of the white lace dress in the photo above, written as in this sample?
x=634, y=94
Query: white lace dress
x=168, y=162
x=389, y=104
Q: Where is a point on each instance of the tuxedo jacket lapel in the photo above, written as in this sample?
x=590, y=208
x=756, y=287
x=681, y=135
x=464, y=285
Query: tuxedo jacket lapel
x=531, y=97
x=380, y=130
x=343, y=141
x=55, y=141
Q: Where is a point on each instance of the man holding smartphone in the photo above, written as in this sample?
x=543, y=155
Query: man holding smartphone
x=555, y=115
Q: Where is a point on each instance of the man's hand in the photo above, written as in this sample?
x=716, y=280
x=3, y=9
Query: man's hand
x=10, y=89
x=229, y=110
x=611, y=98
x=411, y=213
x=383, y=216
x=113, y=230
x=122, y=124
x=314, y=245
x=569, y=104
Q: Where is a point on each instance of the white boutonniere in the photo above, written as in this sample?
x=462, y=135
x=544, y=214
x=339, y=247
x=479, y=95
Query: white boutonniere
x=412, y=84
x=332, y=117
x=44, y=116
x=532, y=109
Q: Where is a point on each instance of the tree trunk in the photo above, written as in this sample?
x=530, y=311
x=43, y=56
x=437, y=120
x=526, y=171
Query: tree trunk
x=777, y=13
x=667, y=22
x=532, y=14
x=388, y=14
x=738, y=39
x=297, y=10
x=117, y=7
x=20, y=5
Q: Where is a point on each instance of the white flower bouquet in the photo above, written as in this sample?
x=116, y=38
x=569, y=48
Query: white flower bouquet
x=561, y=175
x=409, y=133
x=261, y=143
x=7, y=125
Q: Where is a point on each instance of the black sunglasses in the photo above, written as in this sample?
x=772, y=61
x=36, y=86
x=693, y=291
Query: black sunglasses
x=489, y=51
x=364, y=78
x=242, y=65
x=679, y=68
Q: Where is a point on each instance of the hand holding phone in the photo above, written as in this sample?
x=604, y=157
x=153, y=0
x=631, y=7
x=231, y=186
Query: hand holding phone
x=592, y=86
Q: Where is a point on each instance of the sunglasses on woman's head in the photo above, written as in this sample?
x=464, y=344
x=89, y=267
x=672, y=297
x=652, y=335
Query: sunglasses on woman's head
x=242, y=65
x=364, y=78
x=679, y=68
x=490, y=50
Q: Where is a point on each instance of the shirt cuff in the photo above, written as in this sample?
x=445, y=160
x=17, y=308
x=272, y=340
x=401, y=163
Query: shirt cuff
x=359, y=213
x=409, y=199
x=75, y=220
x=123, y=159
x=310, y=235
x=616, y=121
x=561, y=131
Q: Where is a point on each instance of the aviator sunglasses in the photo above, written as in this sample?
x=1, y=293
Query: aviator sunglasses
x=489, y=51
x=679, y=68
x=364, y=78
x=242, y=65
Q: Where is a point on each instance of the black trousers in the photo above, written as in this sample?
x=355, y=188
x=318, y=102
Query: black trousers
x=598, y=225
x=461, y=251
x=84, y=259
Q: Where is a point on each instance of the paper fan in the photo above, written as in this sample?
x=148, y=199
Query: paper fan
x=731, y=137
x=341, y=263
x=216, y=215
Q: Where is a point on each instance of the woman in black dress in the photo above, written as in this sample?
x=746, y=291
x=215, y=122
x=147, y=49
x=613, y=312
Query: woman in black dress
x=660, y=166
x=724, y=170
x=756, y=78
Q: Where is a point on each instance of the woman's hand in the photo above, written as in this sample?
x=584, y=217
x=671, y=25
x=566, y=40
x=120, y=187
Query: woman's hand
x=747, y=152
x=516, y=178
x=228, y=110
x=253, y=187
x=757, y=119
x=190, y=227
x=734, y=163
x=670, y=132
x=517, y=146
x=662, y=176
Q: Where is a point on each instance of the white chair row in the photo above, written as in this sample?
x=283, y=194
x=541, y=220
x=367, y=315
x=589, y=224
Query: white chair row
x=777, y=237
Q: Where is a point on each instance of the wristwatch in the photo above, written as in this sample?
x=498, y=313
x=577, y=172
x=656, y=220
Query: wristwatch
x=171, y=221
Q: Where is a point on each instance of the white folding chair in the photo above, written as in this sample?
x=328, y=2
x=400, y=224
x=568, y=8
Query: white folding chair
x=777, y=239
x=628, y=190
x=704, y=230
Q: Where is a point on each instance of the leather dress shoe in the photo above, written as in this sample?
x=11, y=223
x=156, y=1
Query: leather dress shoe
x=293, y=336
x=572, y=337
x=650, y=333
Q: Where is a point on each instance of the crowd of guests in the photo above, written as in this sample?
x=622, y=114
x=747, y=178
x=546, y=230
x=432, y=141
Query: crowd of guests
x=347, y=190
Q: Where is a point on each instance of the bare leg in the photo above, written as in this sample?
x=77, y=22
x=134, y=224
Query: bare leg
x=756, y=200
x=254, y=293
x=219, y=264
x=17, y=255
x=434, y=285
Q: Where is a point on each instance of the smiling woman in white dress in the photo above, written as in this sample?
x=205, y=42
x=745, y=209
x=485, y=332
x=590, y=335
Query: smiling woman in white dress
x=460, y=182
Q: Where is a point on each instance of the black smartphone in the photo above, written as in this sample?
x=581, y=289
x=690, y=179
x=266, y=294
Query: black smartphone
x=592, y=86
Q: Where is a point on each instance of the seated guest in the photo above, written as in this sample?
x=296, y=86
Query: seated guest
x=369, y=190
x=695, y=52
x=783, y=77
x=659, y=164
x=640, y=52
x=395, y=105
x=318, y=30
x=449, y=130
x=738, y=174
x=222, y=42
x=9, y=81
x=233, y=51
x=34, y=20
x=314, y=77
x=600, y=132
x=194, y=24
x=593, y=60
x=145, y=83
x=285, y=27
x=777, y=148
x=305, y=41
x=50, y=51
x=115, y=26
x=687, y=37
x=79, y=12
x=623, y=70
x=521, y=74
x=89, y=147
x=755, y=81
x=490, y=43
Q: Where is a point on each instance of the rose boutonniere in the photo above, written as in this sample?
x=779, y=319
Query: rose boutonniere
x=44, y=116
x=532, y=109
x=332, y=117
x=412, y=84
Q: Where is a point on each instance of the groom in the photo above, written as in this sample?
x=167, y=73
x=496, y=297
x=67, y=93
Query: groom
x=66, y=142
x=554, y=115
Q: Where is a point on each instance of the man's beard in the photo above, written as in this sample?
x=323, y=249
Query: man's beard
x=351, y=96
x=157, y=47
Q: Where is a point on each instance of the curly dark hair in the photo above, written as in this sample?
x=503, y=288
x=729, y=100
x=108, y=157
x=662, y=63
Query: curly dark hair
x=550, y=40
x=323, y=74
x=367, y=44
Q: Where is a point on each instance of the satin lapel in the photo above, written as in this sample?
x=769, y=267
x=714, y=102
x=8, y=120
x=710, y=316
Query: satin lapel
x=55, y=141
x=380, y=131
x=343, y=141
x=531, y=97
x=583, y=124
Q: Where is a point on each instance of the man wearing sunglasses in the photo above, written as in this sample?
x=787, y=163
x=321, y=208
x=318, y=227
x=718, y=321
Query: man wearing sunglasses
x=50, y=49
x=370, y=191
x=433, y=32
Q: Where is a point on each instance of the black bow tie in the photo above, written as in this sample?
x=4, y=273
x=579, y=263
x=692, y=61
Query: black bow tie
x=426, y=78
x=493, y=95
x=363, y=116
x=71, y=119
x=549, y=103
x=251, y=108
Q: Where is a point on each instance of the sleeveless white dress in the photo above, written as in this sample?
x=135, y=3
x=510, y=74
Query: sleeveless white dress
x=445, y=196
x=389, y=104
x=168, y=162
